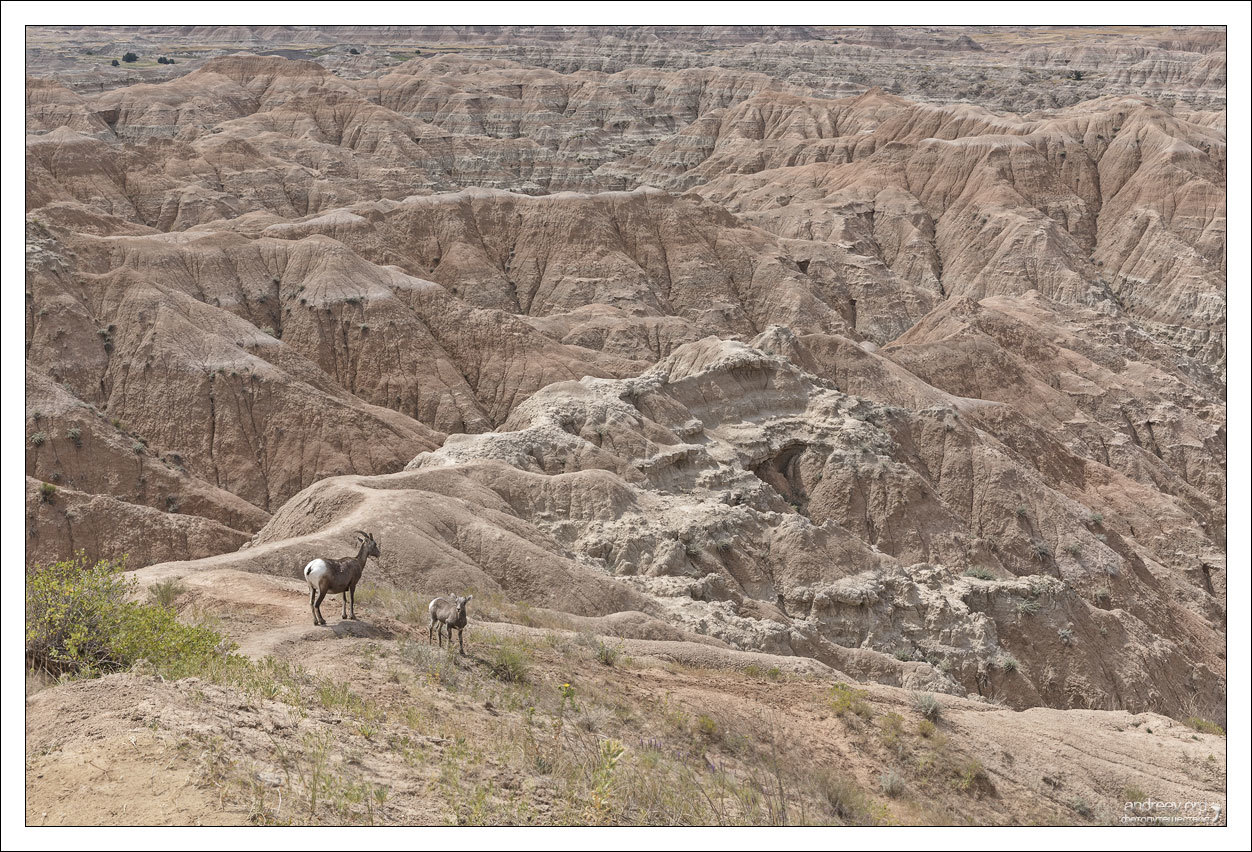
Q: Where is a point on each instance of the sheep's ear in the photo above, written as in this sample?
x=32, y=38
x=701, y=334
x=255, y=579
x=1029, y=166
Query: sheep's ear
x=470, y=598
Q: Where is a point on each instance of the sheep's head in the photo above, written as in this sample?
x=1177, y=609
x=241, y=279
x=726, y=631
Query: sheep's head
x=461, y=604
x=371, y=546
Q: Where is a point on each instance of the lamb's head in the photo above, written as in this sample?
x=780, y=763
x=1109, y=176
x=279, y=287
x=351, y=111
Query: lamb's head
x=461, y=605
x=371, y=546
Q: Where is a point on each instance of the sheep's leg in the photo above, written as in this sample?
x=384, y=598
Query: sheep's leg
x=344, y=601
x=460, y=637
x=312, y=605
x=352, y=592
x=317, y=607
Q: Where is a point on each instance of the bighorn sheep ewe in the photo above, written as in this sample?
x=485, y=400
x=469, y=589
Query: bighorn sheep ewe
x=448, y=612
x=333, y=576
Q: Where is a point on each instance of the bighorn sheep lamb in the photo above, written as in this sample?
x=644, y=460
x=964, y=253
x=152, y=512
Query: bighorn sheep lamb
x=448, y=612
x=333, y=576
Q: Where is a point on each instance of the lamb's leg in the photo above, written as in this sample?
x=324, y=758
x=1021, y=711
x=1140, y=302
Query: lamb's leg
x=317, y=608
x=460, y=637
x=312, y=604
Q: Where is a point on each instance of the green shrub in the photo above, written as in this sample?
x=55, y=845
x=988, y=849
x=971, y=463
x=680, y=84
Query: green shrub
x=845, y=699
x=37, y=438
x=754, y=671
x=980, y=574
x=1204, y=726
x=75, y=435
x=508, y=663
x=79, y=622
x=47, y=492
x=115, y=63
x=130, y=56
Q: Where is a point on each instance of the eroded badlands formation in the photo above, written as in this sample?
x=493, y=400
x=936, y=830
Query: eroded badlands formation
x=771, y=336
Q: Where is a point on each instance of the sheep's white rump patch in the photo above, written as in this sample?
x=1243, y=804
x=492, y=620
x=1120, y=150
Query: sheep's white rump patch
x=315, y=570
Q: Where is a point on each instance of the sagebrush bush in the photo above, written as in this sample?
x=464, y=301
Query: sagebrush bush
x=80, y=622
x=1028, y=606
x=891, y=783
x=927, y=705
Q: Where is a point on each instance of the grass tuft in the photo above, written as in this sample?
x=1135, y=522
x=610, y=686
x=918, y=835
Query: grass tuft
x=1204, y=726
x=607, y=654
x=166, y=592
